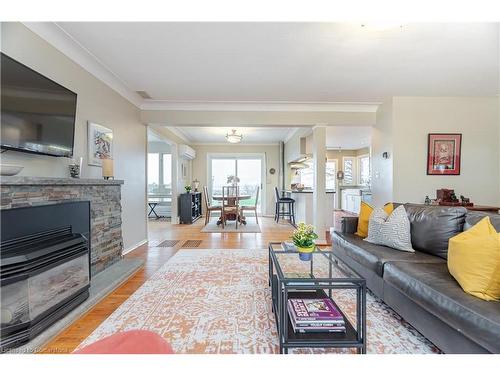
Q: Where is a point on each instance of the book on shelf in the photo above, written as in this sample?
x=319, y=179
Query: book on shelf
x=314, y=310
x=301, y=329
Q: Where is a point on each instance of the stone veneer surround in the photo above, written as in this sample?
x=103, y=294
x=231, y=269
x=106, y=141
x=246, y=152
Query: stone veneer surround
x=105, y=207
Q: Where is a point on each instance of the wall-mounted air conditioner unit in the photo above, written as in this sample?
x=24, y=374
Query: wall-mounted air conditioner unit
x=186, y=152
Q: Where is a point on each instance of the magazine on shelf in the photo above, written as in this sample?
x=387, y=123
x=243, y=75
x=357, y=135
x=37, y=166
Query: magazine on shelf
x=314, y=310
x=314, y=323
x=299, y=329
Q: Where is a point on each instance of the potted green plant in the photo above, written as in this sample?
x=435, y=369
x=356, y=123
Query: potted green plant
x=188, y=188
x=303, y=238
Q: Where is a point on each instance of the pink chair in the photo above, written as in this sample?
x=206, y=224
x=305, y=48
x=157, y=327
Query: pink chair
x=129, y=342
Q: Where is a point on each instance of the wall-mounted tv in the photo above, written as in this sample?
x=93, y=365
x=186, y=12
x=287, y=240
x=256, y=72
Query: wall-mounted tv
x=38, y=114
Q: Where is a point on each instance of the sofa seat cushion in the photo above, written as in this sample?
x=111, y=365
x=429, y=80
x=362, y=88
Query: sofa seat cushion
x=432, y=287
x=374, y=256
x=433, y=226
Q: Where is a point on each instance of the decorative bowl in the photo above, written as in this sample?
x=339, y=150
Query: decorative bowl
x=10, y=169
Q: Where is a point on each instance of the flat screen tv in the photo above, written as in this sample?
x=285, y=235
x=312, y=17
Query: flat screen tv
x=38, y=114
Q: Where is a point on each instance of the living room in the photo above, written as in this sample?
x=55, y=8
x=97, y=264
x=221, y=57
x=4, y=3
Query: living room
x=200, y=204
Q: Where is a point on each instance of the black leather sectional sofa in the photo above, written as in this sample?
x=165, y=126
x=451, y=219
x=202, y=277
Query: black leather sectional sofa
x=418, y=285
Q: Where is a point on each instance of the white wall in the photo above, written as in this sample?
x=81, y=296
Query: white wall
x=382, y=169
x=98, y=103
x=475, y=118
x=199, y=165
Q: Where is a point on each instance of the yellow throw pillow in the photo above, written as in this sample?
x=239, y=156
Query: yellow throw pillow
x=364, y=217
x=474, y=260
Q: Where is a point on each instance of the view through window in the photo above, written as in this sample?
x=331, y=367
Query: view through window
x=248, y=170
x=307, y=174
x=159, y=174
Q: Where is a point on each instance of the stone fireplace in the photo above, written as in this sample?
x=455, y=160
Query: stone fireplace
x=105, y=208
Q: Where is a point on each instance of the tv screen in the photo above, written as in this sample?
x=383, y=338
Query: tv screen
x=38, y=114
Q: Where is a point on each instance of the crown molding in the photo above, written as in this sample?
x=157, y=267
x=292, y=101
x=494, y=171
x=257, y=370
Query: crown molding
x=259, y=106
x=52, y=33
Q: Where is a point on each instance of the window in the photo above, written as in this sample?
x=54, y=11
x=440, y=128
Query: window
x=153, y=173
x=159, y=174
x=349, y=168
x=307, y=174
x=331, y=174
x=167, y=170
x=364, y=169
x=247, y=168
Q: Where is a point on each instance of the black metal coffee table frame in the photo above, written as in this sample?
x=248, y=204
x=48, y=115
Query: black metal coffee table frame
x=354, y=337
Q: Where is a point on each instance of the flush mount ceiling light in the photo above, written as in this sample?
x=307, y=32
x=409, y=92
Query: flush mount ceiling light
x=234, y=137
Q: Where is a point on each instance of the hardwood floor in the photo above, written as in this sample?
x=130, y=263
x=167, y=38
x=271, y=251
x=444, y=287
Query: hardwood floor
x=154, y=257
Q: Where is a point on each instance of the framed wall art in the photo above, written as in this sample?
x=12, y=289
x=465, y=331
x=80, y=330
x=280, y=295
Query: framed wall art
x=100, y=143
x=444, y=154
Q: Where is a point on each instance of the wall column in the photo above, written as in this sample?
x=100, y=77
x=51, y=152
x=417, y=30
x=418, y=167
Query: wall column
x=319, y=190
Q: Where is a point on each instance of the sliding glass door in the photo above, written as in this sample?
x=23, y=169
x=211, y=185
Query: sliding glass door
x=248, y=168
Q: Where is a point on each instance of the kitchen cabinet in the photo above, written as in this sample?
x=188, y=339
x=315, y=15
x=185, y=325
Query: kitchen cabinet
x=351, y=200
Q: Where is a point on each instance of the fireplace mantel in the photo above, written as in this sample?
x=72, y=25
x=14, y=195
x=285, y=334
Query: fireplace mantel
x=105, y=207
x=35, y=181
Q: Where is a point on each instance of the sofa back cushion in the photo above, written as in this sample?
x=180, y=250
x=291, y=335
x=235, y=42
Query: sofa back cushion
x=474, y=217
x=433, y=226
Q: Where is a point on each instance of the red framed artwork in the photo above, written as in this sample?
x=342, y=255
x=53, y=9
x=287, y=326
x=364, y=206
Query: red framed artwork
x=443, y=154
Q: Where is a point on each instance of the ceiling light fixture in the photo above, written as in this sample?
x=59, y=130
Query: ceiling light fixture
x=234, y=137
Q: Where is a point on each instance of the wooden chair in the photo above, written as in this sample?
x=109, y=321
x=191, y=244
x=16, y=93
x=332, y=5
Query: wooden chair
x=208, y=207
x=230, y=204
x=252, y=208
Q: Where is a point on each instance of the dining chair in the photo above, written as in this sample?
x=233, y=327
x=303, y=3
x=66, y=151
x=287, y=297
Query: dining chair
x=252, y=208
x=230, y=203
x=209, y=208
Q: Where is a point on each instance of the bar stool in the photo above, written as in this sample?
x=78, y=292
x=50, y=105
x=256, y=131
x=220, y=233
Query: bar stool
x=285, y=207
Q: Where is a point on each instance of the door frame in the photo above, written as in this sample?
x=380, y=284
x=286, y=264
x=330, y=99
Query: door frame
x=245, y=155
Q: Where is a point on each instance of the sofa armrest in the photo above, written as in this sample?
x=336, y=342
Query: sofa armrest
x=349, y=225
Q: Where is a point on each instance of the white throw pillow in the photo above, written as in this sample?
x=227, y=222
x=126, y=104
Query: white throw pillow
x=390, y=230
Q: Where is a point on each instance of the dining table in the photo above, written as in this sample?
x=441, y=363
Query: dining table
x=231, y=199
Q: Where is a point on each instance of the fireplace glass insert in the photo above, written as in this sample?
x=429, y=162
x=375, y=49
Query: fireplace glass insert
x=43, y=276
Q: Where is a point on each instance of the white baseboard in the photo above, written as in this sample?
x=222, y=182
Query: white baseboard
x=133, y=247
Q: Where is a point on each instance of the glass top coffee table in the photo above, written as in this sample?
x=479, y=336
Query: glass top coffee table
x=322, y=277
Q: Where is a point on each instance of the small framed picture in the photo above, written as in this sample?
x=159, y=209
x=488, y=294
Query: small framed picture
x=443, y=154
x=100, y=143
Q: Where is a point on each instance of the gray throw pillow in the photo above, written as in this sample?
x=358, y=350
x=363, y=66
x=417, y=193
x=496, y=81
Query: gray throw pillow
x=390, y=230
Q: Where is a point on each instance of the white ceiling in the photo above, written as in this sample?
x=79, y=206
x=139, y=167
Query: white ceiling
x=251, y=135
x=305, y=62
x=348, y=137
x=345, y=137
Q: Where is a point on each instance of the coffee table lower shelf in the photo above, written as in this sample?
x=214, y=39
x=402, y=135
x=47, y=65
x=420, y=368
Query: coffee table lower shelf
x=347, y=339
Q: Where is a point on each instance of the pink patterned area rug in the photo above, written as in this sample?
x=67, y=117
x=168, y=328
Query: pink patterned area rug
x=218, y=301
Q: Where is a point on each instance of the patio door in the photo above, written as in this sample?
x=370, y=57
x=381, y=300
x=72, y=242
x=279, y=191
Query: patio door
x=249, y=168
